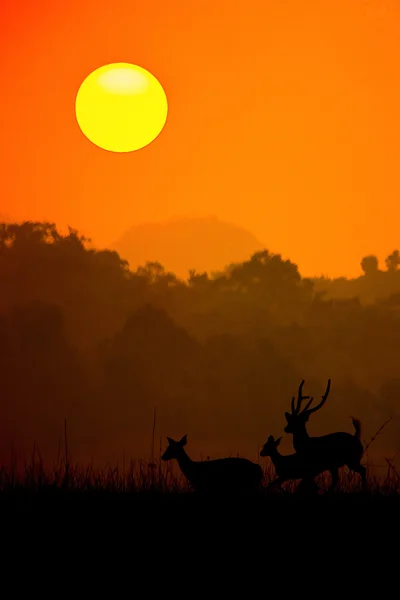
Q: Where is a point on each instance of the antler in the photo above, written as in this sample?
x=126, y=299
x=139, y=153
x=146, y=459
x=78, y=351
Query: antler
x=300, y=398
x=320, y=405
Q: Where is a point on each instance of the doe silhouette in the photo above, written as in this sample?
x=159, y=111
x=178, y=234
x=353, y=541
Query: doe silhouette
x=290, y=466
x=220, y=475
x=328, y=452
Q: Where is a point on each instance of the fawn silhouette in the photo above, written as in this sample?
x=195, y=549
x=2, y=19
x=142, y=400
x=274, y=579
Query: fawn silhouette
x=220, y=475
x=328, y=452
x=290, y=466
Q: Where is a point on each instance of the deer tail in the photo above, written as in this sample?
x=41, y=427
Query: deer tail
x=357, y=427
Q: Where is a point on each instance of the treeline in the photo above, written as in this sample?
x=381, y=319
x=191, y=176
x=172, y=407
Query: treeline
x=375, y=285
x=219, y=356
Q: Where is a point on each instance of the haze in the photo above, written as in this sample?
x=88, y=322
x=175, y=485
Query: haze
x=85, y=339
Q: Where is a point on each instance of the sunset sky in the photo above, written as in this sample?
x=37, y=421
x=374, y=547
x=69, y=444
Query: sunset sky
x=284, y=118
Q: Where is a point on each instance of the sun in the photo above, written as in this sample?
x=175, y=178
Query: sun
x=121, y=107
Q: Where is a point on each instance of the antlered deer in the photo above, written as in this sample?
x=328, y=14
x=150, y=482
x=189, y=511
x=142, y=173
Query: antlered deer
x=220, y=475
x=290, y=466
x=328, y=452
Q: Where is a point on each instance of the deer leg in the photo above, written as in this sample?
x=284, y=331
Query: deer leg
x=335, y=479
x=276, y=483
x=362, y=471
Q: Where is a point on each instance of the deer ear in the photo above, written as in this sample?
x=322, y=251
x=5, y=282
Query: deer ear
x=183, y=441
x=170, y=441
x=287, y=415
x=278, y=441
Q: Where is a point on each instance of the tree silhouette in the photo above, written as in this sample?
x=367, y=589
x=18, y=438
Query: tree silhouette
x=369, y=265
x=84, y=337
x=393, y=261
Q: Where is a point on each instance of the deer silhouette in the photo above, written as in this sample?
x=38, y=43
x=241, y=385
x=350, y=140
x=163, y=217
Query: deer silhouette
x=328, y=452
x=220, y=475
x=290, y=466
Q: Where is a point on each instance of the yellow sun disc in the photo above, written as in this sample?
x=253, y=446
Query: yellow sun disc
x=121, y=107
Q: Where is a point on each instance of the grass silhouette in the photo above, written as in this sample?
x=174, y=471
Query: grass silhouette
x=162, y=479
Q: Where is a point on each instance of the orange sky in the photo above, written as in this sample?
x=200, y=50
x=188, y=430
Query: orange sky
x=283, y=118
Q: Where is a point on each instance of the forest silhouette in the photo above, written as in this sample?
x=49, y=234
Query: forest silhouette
x=85, y=339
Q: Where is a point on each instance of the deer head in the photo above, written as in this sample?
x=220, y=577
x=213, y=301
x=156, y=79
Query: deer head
x=174, y=448
x=298, y=418
x=270, y=445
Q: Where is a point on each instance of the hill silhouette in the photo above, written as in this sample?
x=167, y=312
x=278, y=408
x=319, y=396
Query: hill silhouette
x=203, y=244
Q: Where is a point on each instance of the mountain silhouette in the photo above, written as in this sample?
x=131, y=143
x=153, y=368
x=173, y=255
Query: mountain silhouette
x=200, y=243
